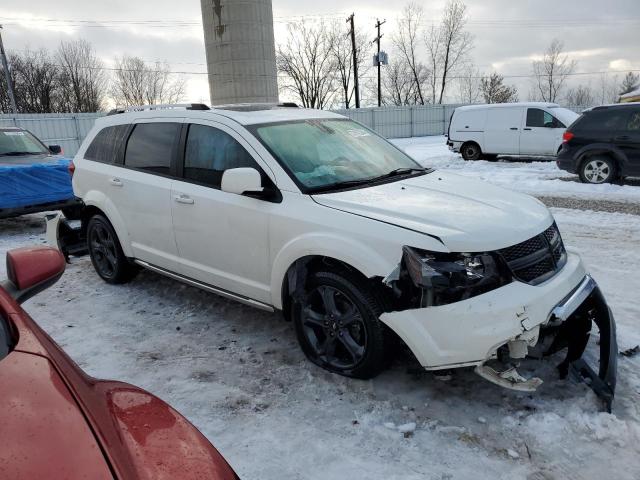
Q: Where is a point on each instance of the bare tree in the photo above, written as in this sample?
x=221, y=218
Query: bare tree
x=83, y=82
x=495, y=91
x=454, y=43
x=398, y=84
x=580, y=96
x=469, y=82
x=406, y=42
x=340, y=46
x=629, y=83
x=306, y=60
x=33, y=75
x=551, y=73
x=137, y=83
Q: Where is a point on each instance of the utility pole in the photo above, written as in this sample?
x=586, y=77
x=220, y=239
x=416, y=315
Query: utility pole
x=378, y=62
x=355, y=60
x=7, y=75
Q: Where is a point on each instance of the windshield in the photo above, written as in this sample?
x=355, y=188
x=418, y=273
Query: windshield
x=324, y=153
x=565, y=115
x=20, y=142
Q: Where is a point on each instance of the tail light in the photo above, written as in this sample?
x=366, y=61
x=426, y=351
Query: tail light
x=567, y=136
x=72, y=168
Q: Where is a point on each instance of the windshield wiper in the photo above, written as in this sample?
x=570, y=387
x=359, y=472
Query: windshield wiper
x=16, y=154
x=365, y=181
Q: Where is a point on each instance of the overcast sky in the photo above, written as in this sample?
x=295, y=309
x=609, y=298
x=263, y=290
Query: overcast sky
x=601, y=36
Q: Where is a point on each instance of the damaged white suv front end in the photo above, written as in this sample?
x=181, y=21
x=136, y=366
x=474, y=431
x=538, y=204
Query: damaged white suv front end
x=466, y=310
x=482, y=296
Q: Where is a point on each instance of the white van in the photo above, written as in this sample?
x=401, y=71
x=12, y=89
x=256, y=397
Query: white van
x=486, y=131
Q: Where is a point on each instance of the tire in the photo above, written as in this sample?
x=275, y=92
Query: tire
x=338, y=327
x=470, y=151
x=598, y=169
x=107, y=256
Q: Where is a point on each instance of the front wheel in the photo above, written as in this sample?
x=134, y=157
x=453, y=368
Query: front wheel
x=598, y=170
x=338, y=327
x=106, y=253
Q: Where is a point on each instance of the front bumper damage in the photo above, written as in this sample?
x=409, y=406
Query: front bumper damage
x=492, y=332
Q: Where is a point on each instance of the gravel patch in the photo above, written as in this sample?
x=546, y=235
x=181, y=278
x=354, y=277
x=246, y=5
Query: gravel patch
x=594, y=205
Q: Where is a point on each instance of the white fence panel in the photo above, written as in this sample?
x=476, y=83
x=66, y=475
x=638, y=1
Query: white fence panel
x=69, y=129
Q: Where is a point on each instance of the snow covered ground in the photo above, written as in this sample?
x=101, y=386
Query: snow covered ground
x=535, y=176
x=238, y=374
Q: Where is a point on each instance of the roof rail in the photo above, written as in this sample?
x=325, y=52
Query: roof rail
x=288, y=105
x=168, y=106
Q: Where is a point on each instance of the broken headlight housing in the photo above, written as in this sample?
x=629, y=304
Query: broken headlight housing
x=428, y=279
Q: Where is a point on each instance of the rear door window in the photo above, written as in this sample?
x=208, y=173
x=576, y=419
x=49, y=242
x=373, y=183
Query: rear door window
x=209, y=152
x=105, y=146
x=151, y=147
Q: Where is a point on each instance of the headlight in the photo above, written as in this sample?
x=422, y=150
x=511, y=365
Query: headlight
x=439, y=278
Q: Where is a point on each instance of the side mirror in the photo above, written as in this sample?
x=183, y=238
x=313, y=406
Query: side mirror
x=241, y=180
x=55, y=149
x=31, y=270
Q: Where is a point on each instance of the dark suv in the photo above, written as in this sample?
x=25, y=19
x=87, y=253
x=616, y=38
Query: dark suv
x=603, y=144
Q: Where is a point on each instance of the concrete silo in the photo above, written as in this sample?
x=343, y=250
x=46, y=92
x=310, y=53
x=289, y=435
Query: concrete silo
x=240, y=47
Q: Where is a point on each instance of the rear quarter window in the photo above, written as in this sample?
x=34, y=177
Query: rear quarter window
x=106, y=144
x=606, y=119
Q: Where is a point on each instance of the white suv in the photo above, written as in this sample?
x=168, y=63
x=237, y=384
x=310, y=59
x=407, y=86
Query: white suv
x=310, y=213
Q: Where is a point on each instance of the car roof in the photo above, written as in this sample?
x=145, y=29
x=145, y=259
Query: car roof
x=612, y=105
x=244, y=114
x=506, y=105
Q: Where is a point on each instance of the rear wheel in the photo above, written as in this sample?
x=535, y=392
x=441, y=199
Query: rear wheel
x=338, y=327
x=598, y=169
x=106, y=253
x=470, y=151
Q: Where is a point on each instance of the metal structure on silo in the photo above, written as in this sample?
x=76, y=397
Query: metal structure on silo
x=240, y=47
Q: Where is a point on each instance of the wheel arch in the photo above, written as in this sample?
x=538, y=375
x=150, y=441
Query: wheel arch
x=324, y=249
x=98, y=203
x=599, y=149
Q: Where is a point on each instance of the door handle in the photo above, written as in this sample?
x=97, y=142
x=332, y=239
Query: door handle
x=526, y=129
x=185, y=199
x=116, y=182
x=514, y=128
x=621, y=138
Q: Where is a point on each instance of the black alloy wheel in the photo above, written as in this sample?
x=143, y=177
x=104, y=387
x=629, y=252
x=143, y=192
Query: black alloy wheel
x=338, y=327
x=106, y=253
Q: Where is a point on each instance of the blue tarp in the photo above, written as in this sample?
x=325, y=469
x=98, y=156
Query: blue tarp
x=34, y=184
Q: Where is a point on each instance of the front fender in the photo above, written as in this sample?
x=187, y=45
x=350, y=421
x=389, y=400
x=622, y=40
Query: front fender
x=357, y=254
x=100, y=201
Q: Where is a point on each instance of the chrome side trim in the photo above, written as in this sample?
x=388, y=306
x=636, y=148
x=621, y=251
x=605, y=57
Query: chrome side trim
x=570, y=304
x=218, y=291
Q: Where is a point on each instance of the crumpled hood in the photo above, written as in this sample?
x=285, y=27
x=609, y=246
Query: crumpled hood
x=467, y=215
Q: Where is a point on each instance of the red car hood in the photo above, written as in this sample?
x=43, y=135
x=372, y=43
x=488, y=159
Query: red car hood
x=42, y=426
x=57, y=422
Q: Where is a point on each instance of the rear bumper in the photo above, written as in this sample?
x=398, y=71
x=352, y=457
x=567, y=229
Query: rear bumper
x=454, y=145
x=565, y=161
